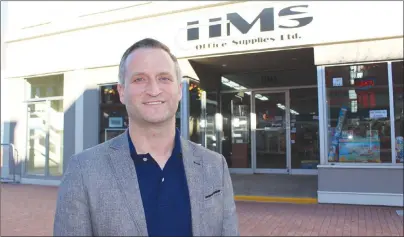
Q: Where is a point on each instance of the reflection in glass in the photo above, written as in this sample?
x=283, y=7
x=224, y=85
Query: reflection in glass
x=45, y=126
x=45, y=138
x=195, y=111
x=271, y=131
x=398, y=90
x=47, y=86
x=37, y=139
x=236, y=142
x=209, y=122
x=358, y=113
x=304, y=128
x=56, y=138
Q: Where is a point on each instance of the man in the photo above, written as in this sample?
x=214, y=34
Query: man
x=147, y=181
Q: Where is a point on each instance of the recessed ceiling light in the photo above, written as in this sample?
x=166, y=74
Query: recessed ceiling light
x=224, y=65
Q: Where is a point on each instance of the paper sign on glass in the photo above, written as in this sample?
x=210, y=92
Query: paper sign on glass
x=376, y=114
x=337, y=81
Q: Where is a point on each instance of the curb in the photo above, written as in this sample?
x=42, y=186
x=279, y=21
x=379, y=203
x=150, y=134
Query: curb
x=276, y=199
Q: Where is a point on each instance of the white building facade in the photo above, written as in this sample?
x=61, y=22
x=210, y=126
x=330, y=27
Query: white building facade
x=60, y=75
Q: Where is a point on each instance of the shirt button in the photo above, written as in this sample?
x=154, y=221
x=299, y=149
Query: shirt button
x=144, y=159
x=162, y=180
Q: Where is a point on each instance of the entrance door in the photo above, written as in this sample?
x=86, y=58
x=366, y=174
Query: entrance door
x=272, y=149
x=44, y=138
x=38, y=139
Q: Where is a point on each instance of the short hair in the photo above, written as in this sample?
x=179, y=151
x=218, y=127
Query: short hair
x=150, y=44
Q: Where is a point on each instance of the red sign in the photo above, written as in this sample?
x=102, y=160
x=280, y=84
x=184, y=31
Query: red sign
x=364, y=83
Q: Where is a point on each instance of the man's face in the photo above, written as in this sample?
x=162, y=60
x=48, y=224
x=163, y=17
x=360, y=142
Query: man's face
x=152, y=91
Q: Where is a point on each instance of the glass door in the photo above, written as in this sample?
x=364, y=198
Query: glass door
x=45, y=138
x=304, y=131
x=272, y=149
x=38, y=139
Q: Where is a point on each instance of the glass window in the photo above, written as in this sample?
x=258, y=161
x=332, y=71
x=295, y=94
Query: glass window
x=195, y=111
x=113, y=115
x=358, y=113
x=236, y=142
x=304, y=131
x=47, y=86
x=209, y=118
x=398, y=88
x=109, y=94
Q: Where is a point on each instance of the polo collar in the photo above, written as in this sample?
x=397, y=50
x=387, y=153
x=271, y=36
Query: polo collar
x=177, y=151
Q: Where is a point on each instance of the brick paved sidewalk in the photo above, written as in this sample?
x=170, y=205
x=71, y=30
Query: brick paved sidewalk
x=28, y=210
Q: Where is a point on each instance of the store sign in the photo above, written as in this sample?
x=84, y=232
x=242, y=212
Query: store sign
x=233, y=24
x=269, y=79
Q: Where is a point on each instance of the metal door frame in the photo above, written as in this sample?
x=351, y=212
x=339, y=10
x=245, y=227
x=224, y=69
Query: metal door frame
x=253, y=132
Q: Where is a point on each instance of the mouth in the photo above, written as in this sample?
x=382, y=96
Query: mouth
x=154, y=103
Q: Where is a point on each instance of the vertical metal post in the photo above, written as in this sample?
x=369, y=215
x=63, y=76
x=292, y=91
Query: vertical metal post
x=392, y=115
x=253, y=124
x=203, y=119
x=218, y=123
x=287, y=130
x=47, y=140
x=322, y=115
x=184, y=109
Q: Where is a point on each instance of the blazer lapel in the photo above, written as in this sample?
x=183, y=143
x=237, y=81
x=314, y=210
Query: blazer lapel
x=193, y=171
x=125, y=173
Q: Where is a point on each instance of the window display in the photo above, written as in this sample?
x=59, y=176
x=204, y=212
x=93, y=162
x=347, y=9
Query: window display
x=113, y=115
x=358, y=113
x=398, y=90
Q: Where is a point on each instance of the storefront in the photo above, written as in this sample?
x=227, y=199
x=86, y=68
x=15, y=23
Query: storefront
x=285, y=88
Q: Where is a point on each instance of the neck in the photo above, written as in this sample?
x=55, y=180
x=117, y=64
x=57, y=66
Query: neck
x=156, y=139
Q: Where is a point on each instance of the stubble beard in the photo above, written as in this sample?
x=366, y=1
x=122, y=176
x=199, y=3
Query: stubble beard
x=135, y=116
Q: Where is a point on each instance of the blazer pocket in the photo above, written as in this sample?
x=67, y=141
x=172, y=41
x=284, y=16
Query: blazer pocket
x=216, y=192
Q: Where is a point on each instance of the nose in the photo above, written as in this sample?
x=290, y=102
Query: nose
x=153, y=88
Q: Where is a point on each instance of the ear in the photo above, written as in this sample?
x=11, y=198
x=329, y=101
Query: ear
x=121, y=91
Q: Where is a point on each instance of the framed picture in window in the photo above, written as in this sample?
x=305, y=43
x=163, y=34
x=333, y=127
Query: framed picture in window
x=112, y=132
x=115, y=122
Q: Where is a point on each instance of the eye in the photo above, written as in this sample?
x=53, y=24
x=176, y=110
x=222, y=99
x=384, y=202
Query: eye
x=165, y=79
x=138, y=79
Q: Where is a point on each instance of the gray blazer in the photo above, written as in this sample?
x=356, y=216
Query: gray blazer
x=99, y=193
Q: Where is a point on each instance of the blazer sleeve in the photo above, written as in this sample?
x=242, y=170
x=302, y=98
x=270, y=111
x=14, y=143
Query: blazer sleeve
x=72, y=217
x=230, y=220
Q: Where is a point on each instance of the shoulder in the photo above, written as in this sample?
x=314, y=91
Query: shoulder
x=93, y=152
x=90, y=157
x=208, y=157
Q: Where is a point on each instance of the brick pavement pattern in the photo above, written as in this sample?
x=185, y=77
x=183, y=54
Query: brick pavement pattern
x=28, y=210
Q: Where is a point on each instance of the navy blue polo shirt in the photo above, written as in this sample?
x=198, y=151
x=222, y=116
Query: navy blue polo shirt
x=164, y=192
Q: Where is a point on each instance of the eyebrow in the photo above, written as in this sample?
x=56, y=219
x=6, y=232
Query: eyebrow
x=142, y=73
x=136, y=74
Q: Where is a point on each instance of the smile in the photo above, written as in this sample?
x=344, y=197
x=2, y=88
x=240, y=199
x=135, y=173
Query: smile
x=154, y=103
